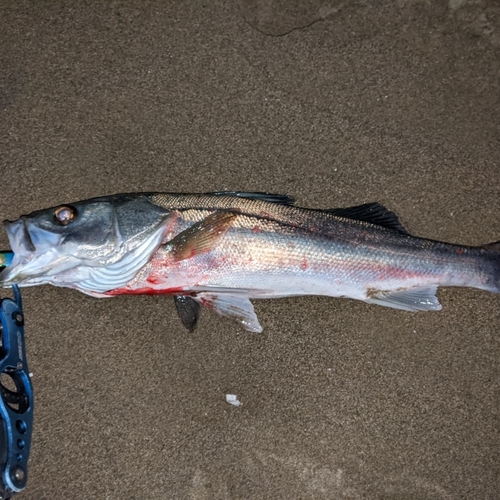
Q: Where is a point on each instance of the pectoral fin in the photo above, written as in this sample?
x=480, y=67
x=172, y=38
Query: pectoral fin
x=202, y=236
x=188, y=310
x=413, y=299
x=235, y=306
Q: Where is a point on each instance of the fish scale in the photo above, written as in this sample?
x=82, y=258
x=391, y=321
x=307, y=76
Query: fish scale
x=245, y=258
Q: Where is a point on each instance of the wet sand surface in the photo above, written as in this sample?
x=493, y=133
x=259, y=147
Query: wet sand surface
x=336, y=103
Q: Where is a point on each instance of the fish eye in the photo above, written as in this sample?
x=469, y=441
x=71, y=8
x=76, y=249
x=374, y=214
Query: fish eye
x=64, y=215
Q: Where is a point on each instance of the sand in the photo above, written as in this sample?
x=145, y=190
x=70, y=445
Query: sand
x=337, y=103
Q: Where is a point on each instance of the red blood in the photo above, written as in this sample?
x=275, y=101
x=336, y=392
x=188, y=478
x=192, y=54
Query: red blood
x=145, y=291
x=304, y=265
x=459, y=251
x=256, y=229
x=155, y=280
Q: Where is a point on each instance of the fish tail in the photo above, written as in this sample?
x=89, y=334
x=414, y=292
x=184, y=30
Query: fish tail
x=492, y=255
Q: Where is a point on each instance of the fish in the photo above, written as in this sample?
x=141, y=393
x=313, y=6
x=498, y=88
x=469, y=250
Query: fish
x=221, y=250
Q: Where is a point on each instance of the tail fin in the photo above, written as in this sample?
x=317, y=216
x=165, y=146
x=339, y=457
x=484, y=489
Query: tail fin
x=493, y=254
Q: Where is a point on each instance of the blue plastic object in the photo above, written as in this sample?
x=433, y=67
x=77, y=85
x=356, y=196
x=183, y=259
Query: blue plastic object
x=6, y=258
x=16, y=401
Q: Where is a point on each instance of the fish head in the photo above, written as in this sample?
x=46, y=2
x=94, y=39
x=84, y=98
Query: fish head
x=88, y=245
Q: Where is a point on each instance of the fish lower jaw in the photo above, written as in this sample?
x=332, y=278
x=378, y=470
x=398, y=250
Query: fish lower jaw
x=22, y=279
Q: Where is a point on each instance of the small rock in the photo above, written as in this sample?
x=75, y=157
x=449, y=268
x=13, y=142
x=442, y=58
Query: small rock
x=232, y=399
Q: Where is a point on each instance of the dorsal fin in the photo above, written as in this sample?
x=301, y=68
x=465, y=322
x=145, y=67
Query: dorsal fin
x=374, y=213
x=282, y=199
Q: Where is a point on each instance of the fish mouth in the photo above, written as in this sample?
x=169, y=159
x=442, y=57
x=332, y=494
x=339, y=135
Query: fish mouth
x=32, y=259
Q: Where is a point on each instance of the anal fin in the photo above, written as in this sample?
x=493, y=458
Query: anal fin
x=411, y=299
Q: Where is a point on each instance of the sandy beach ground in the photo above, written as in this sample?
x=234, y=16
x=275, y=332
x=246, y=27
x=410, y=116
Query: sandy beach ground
x=334, y=102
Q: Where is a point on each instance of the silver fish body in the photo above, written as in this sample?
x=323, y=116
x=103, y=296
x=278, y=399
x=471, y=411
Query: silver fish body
x=221, y=249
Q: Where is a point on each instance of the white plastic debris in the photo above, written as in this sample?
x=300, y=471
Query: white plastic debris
x=232, y=399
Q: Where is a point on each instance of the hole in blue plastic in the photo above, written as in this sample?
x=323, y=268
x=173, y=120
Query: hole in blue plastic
x=13, y=390
x=21, y=426
x=21, y=444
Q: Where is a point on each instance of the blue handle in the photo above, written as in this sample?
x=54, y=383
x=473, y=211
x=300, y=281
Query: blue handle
x=16, y=399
